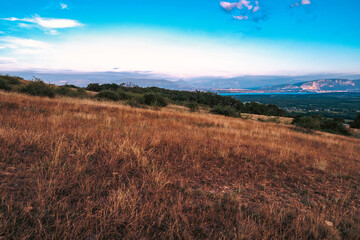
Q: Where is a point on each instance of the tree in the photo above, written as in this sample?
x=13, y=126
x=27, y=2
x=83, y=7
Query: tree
x=356, y=122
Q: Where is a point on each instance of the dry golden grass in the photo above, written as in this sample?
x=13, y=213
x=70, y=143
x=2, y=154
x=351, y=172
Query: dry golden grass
x=79, y=169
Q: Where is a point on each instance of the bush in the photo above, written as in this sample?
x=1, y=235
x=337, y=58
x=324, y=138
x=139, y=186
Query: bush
x=108, y=95
x=10, y=79
x=320, y=123
x=312, y=123
x=154, y=99
x=193, y=106
x=225, y=110
x=95, y=87
x=122, y=95
x=65, y=91
x=356, y=122
x=4, y=85
x=39, y=88
x=81, y=93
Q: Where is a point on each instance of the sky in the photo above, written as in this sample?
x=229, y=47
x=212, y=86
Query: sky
x=182, y=38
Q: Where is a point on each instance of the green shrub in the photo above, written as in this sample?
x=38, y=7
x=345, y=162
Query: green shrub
x=312, y=123
x=10, y=79
x=154, y=99
x=356, y=122
x=4, y=85
x=95, y=87
x=39, y=88
x=65, y=91
x=320, y=123
x=193, y=106
x=225, y=110
x=123, y=95
x=80, y=92
x=108, y=95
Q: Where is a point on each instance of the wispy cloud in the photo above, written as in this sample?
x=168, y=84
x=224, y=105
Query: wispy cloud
x=7, y=60
x=64, y=6
x=241, y=17
x=24, y=45
x=49, y=25
x=257, y=7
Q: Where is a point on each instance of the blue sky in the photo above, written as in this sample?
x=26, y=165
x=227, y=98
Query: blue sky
x=183, y=38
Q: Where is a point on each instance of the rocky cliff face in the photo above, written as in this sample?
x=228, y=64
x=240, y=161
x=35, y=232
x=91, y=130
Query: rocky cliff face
x=324, y=85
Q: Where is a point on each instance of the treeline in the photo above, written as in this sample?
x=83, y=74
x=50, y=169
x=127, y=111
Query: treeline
x=139, y=97
x=320, y=123
x=223, y=105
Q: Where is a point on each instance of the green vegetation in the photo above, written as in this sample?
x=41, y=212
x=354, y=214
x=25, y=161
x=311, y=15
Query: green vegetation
x=70, y=91
x=320, y=123
x=112, y=95
x=155, y=99
x=225, y=110
x=154, y=96
x=39, y=88
x=356, y=122
x=193, y=107
x=8, y=83
x=330, y=105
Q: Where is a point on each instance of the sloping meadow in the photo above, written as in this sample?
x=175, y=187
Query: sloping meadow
x=81, y=169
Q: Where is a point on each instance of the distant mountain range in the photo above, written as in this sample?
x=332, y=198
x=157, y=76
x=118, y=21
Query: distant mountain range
x=240, y=84
x=317, y=86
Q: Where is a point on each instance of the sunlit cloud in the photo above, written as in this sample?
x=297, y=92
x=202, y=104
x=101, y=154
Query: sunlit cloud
x=241, y=17
x=23, y=45
x=246, y=8
x=48, y=24
x=240, y=5
x=257, y=7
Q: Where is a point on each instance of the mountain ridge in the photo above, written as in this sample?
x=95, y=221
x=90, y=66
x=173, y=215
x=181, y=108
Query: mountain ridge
x=318, y=86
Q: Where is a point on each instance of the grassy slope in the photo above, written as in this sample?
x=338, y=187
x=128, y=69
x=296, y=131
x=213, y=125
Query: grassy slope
x=79, y=169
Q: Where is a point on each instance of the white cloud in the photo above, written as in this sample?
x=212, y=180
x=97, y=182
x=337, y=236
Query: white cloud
x=303, y=2
x=7, y=60
x=257, y=7
x=47, y=24
x=241, y=17
x=240, y=5
x=228, y=6
x=249, y=6
x=24, y=46
x=64, y=6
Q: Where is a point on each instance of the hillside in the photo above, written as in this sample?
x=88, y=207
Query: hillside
x=318, y=86
x=84, y=169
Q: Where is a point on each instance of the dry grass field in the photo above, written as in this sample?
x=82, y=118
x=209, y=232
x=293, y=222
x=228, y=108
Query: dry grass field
x=81, y=169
